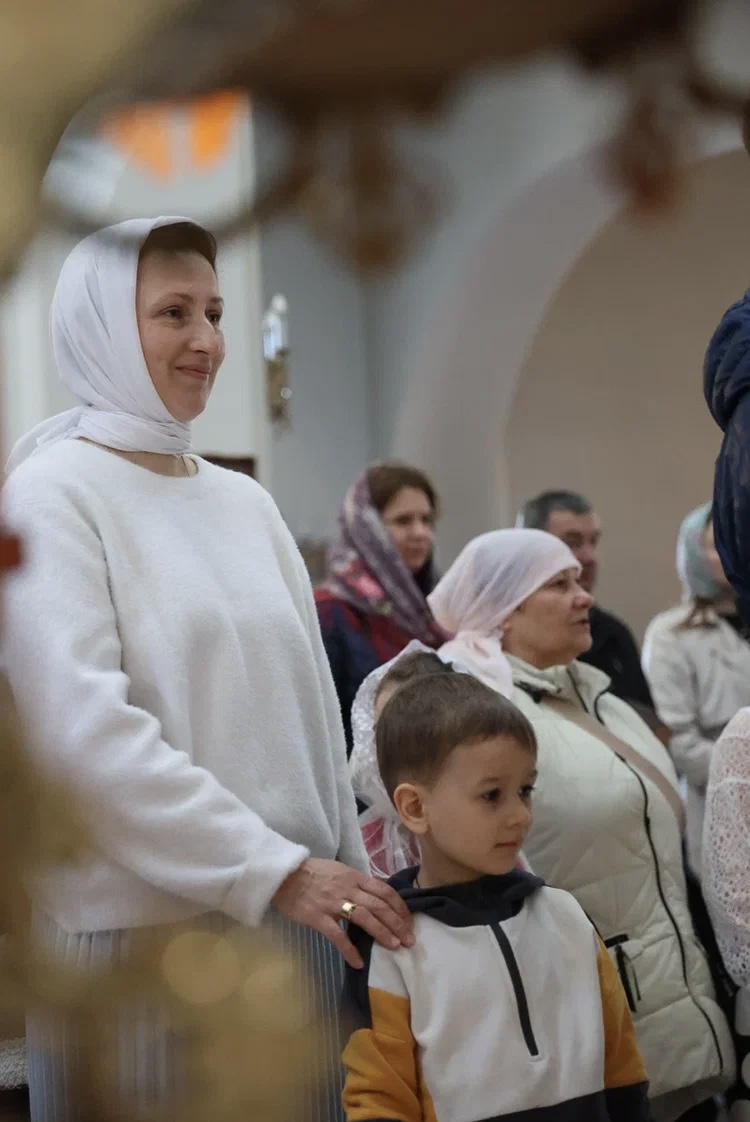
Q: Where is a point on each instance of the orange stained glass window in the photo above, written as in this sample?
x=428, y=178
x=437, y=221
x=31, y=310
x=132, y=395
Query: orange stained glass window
x=147, y=134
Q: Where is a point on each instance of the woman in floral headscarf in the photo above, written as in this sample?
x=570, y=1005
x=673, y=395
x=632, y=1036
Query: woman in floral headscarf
x=374, y=601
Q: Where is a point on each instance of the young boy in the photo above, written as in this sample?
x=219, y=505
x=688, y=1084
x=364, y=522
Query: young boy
x=508, y=1006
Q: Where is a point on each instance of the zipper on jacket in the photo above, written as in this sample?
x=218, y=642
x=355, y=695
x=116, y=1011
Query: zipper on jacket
x=657, y=869
x=622, y=968
x=660, y=890
x=579, y=695
x=518, y=988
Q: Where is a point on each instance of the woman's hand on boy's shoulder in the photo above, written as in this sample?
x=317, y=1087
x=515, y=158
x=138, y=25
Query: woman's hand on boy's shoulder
x=315, y=895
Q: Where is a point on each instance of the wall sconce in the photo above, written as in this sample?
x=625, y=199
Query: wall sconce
x=275, y=331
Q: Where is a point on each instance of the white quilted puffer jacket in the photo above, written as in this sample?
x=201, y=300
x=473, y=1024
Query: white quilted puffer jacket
x=608, y=835
x=699, y=677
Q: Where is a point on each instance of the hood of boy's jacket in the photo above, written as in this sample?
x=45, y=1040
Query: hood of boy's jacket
x=487, y=899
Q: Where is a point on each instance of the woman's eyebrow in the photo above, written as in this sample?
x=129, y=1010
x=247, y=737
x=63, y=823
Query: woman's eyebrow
x=189, y=297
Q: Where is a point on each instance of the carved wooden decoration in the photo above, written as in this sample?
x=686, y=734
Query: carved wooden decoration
x=358, y=65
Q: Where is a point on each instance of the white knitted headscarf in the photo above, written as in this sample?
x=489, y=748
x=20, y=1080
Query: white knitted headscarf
x=98, y=353
x=489, y=579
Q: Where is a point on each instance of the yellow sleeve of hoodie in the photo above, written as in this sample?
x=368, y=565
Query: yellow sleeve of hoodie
x=625, y=1079
x=382, y=1075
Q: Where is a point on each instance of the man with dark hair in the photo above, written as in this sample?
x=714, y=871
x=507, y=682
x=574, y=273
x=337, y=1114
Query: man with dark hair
x=572, y=518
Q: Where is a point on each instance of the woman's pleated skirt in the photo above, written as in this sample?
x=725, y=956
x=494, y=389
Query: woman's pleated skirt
x=145, y=1054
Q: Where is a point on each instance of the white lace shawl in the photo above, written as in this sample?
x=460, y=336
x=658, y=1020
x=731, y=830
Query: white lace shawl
x=390, y=847
x=726, y=846
x=395, y=846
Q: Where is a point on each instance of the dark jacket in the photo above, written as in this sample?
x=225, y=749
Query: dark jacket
x=356, y=643
x=726, y=385
x=615, y=651
x=508, y=1007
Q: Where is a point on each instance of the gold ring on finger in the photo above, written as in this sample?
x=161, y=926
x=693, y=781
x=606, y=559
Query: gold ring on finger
x=347, y=910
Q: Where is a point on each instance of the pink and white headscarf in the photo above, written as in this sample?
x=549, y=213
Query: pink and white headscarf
x=489, y=579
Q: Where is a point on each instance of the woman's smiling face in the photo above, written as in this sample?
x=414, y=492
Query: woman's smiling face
x=179, y=310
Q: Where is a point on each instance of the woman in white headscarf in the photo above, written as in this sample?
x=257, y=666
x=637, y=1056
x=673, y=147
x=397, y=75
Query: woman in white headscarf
x=607, y=811
x=163, y=648
x=697, y=661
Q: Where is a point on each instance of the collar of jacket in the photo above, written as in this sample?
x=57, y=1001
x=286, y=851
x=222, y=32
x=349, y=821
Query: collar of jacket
x=573, y=682
x=489, y=899
x=711, y=615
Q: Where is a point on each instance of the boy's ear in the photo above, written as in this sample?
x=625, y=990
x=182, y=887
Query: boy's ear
x=408, y=799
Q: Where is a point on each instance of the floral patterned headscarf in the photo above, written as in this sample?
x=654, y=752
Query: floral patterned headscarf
x=366, y=570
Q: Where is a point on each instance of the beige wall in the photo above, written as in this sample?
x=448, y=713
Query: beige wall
x=610, y=397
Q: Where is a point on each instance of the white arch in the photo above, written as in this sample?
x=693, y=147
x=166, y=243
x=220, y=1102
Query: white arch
x=459, y=391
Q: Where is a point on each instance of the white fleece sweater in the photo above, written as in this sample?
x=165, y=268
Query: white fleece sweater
x=164, y=651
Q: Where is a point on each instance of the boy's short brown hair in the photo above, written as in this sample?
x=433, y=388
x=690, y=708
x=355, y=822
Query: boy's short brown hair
x=433, y=714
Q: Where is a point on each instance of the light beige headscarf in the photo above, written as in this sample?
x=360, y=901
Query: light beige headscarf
x=489, y=579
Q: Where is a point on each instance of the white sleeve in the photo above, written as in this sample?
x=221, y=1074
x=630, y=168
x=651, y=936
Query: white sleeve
x=726, y=846
x=154, y=811
x=670, y=677
x=351, y=846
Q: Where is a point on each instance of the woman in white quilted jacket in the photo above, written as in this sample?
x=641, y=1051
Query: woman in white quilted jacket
x=697, y=661
x=608, y=818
